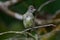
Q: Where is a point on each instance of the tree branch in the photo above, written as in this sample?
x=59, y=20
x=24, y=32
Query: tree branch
x=11, y=2
x=56, y=14
x=11, y=13
x=44, y=4
x=21, y=32
x=50, y=34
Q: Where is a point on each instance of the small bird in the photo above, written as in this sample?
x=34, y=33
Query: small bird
x=28, y=18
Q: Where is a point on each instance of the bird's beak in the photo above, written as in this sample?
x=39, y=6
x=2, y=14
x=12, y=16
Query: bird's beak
x=34, y=9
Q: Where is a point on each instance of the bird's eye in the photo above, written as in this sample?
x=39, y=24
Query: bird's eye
x=31, y=9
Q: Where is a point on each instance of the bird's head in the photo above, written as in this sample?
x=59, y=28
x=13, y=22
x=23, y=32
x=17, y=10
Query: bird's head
x=31, y=8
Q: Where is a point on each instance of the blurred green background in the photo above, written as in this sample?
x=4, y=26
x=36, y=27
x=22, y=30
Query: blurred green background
x=8, y=23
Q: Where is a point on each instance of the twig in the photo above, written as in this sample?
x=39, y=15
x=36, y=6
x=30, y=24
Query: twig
x=56, y=14
x=48, y=35
x=44, y=4
x=21, y=32
x=17, y=32
x=30, y=34
x=38, y=27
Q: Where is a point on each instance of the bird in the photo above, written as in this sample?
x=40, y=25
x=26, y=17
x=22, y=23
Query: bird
x=28, y=18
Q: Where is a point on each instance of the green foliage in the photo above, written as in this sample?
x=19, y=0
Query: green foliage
x=16, y=26
x=9, y=23
x=3, y=27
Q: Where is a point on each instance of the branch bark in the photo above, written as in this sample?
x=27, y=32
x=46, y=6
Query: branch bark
x=11, y=2
x=21, y=32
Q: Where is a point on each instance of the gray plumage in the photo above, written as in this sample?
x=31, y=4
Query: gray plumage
x=28, y=17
